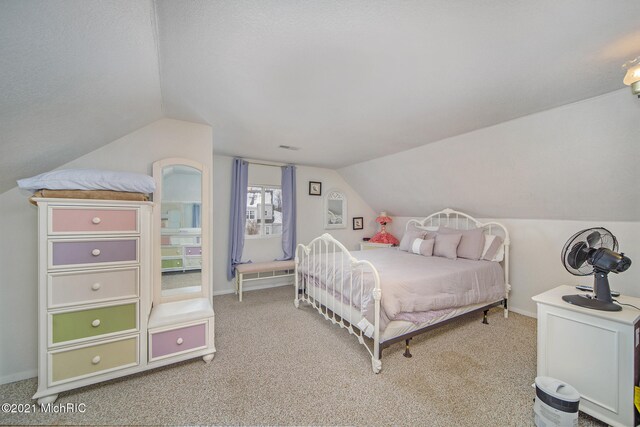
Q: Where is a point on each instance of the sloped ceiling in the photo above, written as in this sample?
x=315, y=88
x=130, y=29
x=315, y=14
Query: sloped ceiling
x=74, y=75
x=348, y=81
x=345, y=81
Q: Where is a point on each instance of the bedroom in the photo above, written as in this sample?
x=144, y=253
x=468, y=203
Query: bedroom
x=511, y=111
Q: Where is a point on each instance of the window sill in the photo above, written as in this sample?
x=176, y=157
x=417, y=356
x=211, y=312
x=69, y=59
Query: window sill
x=268, y=236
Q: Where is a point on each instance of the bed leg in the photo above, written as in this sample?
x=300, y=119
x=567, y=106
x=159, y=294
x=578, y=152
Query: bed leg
x=484, y=318
x=506, y=309
x=407, y=351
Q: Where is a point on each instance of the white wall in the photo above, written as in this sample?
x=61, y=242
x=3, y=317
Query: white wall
x=18, y=227
x=309, y=219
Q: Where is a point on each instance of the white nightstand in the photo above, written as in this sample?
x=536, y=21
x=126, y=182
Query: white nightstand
x=596, y=352
x=365, y=246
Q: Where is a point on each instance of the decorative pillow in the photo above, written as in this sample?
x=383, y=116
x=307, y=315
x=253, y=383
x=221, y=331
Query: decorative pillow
x=410, y=235
x=471, y=244
x=422, y=247
x=89, y=179
x=493, y=248
x=446, y=245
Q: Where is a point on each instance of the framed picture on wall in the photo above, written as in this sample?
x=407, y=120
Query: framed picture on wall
x=315, y=188
x=358, y=223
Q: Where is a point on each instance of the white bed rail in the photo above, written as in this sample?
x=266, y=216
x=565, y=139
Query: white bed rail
x=324, y=268
x=462, y=221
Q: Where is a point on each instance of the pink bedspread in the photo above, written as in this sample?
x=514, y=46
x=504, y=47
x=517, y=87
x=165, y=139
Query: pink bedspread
x=413, y=286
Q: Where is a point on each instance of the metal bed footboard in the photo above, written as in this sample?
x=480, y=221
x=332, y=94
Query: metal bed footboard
x=326, y=275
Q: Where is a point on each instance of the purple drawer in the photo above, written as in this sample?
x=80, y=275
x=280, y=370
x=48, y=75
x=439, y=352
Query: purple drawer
x=193, y=250
x=178, y=340
x=94, y=252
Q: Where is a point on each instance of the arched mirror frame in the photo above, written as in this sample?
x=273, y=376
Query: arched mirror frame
x=158, y=167
x=333, y=195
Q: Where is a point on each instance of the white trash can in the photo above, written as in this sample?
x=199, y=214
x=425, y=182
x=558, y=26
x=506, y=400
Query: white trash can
x=556, y=403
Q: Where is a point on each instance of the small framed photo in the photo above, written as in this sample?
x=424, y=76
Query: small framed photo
x=315, y=188
x=358, y=223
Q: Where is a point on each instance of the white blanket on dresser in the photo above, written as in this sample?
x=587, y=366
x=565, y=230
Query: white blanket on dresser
x=413, y=286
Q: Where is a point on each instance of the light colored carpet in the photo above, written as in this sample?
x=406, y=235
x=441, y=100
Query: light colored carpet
x=277, y=365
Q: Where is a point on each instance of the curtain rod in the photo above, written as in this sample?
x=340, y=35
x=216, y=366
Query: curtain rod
x=256, y=162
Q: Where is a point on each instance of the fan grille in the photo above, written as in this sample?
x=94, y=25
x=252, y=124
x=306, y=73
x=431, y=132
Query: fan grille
x=591, y=238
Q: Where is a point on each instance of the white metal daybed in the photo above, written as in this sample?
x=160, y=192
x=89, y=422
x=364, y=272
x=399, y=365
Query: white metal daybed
x=349, y=291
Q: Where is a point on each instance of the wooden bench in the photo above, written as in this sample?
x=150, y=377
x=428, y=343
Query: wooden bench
x=257, y=270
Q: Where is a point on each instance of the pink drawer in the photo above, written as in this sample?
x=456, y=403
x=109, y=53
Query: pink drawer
x=74, y=288
x=178, y=340
x=193, y=250
x=100, y=220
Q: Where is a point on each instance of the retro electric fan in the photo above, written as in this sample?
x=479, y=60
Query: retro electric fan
x=594, y=251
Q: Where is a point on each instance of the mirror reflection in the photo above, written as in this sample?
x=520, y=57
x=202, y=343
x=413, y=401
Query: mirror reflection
x=180, y=228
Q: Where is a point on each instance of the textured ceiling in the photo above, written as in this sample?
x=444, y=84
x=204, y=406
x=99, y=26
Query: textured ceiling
x=350, y=81
x=345, y=81
x=74, y=75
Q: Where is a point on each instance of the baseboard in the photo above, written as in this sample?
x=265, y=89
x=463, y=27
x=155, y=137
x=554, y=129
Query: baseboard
x=19, y=376
x=252, y=288
x=523, y=312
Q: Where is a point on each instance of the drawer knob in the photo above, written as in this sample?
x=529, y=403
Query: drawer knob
x=179, y=341
x=96, y=220
x=95, y=252
x=95, y=360
x=95, y=323
x=95, y=286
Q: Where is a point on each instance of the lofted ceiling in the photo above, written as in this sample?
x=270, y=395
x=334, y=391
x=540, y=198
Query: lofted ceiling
x=343, y=81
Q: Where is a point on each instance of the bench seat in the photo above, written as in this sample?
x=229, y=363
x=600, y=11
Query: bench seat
x=262, y=267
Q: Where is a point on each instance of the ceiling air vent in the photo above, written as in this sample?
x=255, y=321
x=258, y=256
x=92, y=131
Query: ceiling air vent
x=289, y=147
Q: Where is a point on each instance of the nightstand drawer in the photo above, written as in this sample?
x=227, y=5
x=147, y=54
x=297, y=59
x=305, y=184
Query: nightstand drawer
x=72, y=288
x=178, y=340
x=88, y=252
x=93, y=360
x=94, y=322
x=193, y=251
x=67, y=220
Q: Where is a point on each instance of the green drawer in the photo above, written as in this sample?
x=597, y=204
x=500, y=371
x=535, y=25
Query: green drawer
x=76, y=325
x=171, y=263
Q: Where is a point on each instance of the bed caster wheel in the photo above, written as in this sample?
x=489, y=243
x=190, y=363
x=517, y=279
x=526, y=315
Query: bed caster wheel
x=376, y=365
x=208, y=358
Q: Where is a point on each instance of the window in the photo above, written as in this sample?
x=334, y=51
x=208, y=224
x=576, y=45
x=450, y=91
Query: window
x=264, y=211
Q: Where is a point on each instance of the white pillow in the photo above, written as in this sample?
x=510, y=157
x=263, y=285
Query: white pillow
x=89, y=179
x=490, y=243
x=422, y=247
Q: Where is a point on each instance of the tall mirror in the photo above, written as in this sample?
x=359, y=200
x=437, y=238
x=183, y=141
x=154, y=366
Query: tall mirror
x=181, y=224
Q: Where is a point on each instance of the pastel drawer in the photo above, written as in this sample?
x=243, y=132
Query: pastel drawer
x=172, y=251
x=95, y=220
x=193, y=262
x=70, y=253
x=171, y=263
x=93, y=360
x=177, y=340
x=94, y=322
x=92, y=286
x=193, y=250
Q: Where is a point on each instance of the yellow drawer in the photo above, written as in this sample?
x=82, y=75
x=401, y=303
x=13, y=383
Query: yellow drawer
x=92, y=360
x=171, y=251
x=76, y=325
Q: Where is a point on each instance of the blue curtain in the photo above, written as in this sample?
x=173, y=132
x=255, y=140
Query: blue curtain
x=195, y=216
x=238, y=217
x=288, y=212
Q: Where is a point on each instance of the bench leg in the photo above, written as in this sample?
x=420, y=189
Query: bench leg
x=240, y=287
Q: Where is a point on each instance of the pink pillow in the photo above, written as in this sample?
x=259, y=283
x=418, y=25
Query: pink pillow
x=446, y=245
x=422, y=247
x=472, y=242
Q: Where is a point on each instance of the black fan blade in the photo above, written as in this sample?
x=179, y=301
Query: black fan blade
x=593, y=238
x=578, y=255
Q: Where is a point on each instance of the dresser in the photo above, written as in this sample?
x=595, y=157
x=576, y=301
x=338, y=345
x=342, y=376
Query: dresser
x=596, y=352
x=93, y=299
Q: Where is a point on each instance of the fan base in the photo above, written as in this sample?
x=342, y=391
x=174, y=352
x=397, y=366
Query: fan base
x=595, y=304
